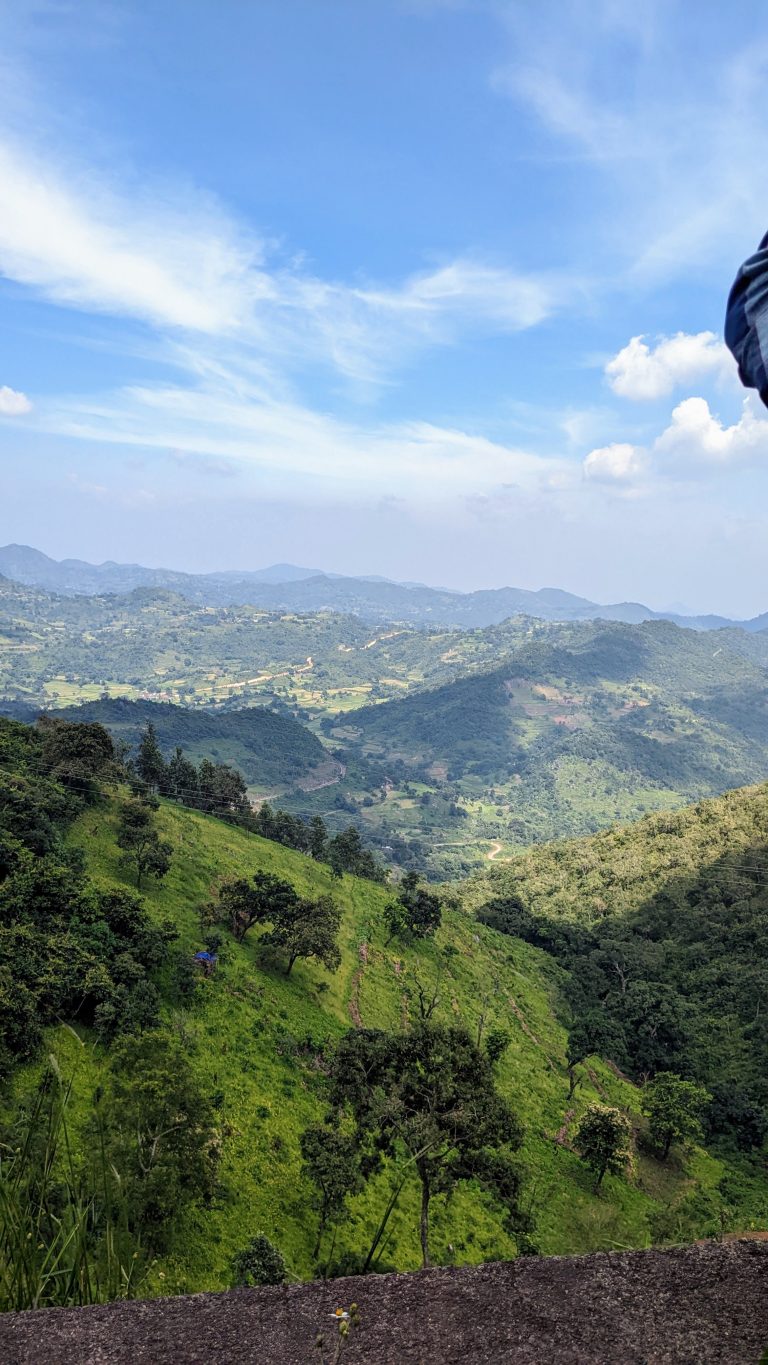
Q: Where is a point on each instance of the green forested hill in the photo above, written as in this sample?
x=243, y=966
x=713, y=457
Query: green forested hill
x=271, y=750
x=254, y=1043
x=598, y=723
x=663, y=928
x=479, y=738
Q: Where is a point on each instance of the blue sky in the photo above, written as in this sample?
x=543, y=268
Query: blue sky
x=411, y=287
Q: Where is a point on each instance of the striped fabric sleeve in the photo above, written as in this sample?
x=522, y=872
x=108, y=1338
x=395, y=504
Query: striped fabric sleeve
x=746, y=321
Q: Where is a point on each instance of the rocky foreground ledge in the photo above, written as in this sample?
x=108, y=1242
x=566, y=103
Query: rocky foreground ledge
x=690, y=1306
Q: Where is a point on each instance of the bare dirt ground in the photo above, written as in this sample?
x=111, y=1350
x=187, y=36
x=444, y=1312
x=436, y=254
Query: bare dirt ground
x=690, y=1306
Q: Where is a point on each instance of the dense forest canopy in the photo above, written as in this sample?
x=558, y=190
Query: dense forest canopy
x=663, y=927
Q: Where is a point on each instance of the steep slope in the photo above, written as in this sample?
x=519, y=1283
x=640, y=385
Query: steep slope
x=663, y=927
x=255, y=1039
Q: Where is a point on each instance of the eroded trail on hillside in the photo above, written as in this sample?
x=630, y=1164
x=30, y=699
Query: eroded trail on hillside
x=354, y=999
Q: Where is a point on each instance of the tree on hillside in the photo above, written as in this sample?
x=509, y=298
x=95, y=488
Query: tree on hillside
x=496, y=1043
x=144, y=850
x=330, y=1160
x=76, y=754
x=415, y=914
x=592, y=1033
x=674, y=1109
x=160, y=1131
x=318, y=838
x=603, y=1141
x=306, y=929
x=346, y=853
x=181, y=778
x=222, y=790
x=150, y=764
x=428, y=1100
x=263, y=899
x=280, y=826
x=656, y=1023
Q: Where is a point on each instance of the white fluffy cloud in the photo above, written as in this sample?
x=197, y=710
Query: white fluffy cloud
x=696, y=434
x=643, y=372
x=13, y=403
x=695, y=438
x=619, y=463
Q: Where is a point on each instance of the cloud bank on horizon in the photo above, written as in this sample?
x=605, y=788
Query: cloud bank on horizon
x=436, y=286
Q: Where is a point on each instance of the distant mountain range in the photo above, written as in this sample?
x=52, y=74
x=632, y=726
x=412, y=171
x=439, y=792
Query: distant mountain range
x=288, y=587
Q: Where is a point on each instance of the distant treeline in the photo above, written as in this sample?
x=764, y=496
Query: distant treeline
x=221, y=790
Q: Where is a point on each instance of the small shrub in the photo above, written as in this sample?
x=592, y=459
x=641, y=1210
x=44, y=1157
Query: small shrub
x=259, y=1263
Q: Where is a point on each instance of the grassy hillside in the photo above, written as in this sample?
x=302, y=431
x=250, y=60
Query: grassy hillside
x=254, y=1037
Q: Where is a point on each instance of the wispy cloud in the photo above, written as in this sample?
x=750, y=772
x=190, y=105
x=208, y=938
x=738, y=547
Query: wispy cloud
x=674, y=144
x=183, y=266
x=240, y=324
x=130, y=499
x=286, y=440
x=88, y=248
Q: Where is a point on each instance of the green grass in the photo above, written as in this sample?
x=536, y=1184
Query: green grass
x=241, y=1030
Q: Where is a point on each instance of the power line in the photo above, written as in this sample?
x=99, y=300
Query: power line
x=735, y=875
